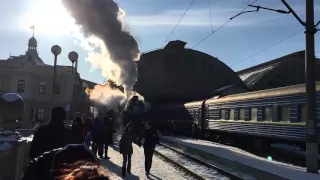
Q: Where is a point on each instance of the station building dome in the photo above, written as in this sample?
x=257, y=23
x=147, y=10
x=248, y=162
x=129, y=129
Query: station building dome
x=175, y=73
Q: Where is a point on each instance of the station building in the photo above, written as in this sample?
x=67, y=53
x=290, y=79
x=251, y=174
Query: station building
x=178, y=74
x=28, y=76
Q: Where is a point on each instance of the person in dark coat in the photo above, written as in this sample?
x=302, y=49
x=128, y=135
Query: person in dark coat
x=195, y=131
x=149, y=138
x=87, y=126
x=51, y=136
x=96, y=137
x=77, y=130
x=53, y=164
x=125, y=148
x=106, y=134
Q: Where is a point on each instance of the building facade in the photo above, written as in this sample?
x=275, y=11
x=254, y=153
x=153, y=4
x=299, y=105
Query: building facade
x=28, y=76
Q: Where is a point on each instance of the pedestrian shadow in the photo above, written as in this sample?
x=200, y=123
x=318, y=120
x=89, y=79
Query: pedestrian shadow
x=153, y=177
x=117, y=170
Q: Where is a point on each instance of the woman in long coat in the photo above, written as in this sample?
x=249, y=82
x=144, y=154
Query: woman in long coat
x=106, y=134
x=126, y=149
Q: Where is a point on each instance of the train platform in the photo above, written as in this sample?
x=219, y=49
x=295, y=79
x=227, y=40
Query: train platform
x=160, y=169
x=236, y=159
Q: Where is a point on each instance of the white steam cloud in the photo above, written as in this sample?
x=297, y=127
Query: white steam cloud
x=112, y=48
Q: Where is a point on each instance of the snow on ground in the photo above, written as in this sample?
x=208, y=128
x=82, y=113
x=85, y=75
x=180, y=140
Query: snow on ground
x=160, y=169
x=238, y=155
x=203, y=171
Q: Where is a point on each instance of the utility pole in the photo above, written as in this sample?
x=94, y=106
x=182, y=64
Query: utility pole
x=310, y=67
x=310, y=78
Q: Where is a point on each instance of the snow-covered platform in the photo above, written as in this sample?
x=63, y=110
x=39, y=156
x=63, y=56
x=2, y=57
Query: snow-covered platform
x=236, y=159
x=159, y=170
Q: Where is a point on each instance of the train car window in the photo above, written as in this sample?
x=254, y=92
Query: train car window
x=231, y=114
x=223, y=114
x=242, y=113
x=284, y=113
x=303, y=113
x=267, y=114
x=254, y=112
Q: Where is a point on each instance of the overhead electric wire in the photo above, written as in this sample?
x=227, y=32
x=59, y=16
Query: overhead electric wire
x=268, y=47
x=209, y=7
x=222, y=25
x=178, y=22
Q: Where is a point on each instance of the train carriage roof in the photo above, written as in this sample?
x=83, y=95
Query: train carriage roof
x=283, y=91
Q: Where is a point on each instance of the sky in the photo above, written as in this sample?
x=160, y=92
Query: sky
x=151, y=22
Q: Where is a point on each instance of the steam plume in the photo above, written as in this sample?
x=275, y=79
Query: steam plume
x=117, y=50
x=104, y=94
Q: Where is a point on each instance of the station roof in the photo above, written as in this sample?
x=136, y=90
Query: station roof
x=289, y=68
x=179, y=73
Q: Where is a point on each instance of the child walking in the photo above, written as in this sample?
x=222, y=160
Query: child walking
x=88, y=139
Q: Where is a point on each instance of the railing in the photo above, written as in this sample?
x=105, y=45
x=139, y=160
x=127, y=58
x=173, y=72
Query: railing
x=15, y=159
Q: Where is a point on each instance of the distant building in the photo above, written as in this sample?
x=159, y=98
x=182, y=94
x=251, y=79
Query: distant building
x=85, y=104
x=284, y=71
x=178, y=74
x=28, y=76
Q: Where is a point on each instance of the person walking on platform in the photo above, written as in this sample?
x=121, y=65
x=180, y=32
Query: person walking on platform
x=88, y=139
x=195, y=131
x=51, y=136
x=149, y=138
x=126, y=149
x=77, y=130
x=96, y=137
x=106, y=137
x=87, y=126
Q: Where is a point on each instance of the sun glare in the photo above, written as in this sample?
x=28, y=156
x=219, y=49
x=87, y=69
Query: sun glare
x=49, y=17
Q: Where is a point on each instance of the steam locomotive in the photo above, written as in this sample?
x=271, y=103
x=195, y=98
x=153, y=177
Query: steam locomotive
x=265, y=117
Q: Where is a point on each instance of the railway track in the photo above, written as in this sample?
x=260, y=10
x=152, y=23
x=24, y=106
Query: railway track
x=192, y=166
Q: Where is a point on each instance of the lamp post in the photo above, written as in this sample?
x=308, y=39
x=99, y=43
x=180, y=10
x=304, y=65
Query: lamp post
x=56, y=50
x=73, y=57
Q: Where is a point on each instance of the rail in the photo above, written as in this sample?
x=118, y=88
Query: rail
x=196, y=160
x=220, y=170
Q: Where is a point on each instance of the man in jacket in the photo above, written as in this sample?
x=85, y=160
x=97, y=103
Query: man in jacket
x=149, y=138
x=51, y=136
